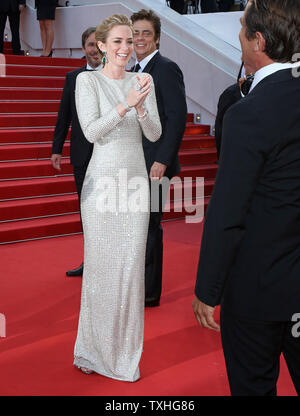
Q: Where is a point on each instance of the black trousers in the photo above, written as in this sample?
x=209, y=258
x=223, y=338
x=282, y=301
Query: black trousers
x=14, y=22
x=252, y=352
x=79, y=175
x=154, y=247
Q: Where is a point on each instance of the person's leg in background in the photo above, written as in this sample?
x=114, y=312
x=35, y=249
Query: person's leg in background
x=79, y=174
x=3, y=18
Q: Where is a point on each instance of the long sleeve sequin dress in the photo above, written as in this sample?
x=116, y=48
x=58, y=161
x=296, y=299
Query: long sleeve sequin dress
x=115, y=217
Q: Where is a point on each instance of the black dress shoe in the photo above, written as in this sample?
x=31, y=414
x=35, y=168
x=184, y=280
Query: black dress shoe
x=151, y=302
x=75, y=272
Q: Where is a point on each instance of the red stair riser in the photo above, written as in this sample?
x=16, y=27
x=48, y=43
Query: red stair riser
x=184, y=190
x=36, y=187
x=28, y=120
x=32, y=82
x=36, y=60
x=19, y=170
x=196, y=129
x=27, y=135
x=14, y=107
x=39, y=207
x=190, y=118
x=198, y=142
x=172, y=213
x=30, y=70
x=30, y=94
x=194, y=158
x=30, y=229
x=39, y=151
x=42, y=151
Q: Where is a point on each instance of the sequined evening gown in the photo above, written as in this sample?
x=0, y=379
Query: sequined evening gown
x=111, y=321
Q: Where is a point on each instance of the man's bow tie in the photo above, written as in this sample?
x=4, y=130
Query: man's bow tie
x=245, y=84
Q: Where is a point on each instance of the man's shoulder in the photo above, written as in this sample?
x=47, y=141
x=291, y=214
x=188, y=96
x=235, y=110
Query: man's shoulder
x=165, y=61
x=73, y=74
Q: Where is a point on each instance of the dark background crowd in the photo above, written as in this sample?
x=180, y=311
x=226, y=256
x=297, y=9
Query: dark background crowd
x=204, y=6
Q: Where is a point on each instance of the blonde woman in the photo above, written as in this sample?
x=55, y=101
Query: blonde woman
x=114, y=108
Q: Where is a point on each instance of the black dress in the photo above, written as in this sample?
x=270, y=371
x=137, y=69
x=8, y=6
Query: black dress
x=46, y=9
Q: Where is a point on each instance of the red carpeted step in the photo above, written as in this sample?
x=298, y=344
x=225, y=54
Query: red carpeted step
x=42, y=151
x=45, y=134
x=186, y=190
x=37, y=70
x=29, y=169
x=207, y=171
x=38, y=207
x=25, y=188
x=39, y=228
x=30, y=93
x=190, y=118
x=39, y=106
x=192, y=157
x=198, y=142
x=196, y=129
x=36, y=60
x=29, y=151
x=27, y=120
x=179, y=209
x=38, y=82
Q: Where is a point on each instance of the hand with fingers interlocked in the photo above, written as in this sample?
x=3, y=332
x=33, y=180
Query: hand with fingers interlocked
x=205, y=315
x=139, y=92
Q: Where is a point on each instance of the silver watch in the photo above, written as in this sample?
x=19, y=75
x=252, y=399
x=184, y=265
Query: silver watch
x=126, y=106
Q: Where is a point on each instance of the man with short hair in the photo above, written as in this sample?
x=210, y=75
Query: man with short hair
x=11, y=9
x=250, y=250
x=162, y=156
x=81, y=148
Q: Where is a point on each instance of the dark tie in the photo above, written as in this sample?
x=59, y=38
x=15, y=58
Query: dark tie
x=245, y=87
x=137, y=68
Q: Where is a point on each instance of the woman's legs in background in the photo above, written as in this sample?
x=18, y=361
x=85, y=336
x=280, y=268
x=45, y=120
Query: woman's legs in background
x=47, y=36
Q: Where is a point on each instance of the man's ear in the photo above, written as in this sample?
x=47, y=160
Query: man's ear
x=260, y=42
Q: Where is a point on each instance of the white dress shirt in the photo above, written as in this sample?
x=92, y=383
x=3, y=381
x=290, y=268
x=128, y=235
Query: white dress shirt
x=145, y=61
x=271, y=69
x=89, y=68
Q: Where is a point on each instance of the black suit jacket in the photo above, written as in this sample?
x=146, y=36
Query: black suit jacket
x=230, y=96
x=250, y=250
x=81, y=149
x=11, y=5
x=172, y=109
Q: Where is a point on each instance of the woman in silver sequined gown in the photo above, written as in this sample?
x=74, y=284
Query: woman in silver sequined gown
x=111, y=322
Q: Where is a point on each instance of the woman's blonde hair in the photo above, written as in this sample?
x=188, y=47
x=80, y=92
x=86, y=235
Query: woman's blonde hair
x=115, y=20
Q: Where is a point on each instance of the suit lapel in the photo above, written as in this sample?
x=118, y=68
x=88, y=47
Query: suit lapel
x=148, y=68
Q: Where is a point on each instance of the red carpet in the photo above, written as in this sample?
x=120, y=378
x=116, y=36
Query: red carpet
x=41, y=306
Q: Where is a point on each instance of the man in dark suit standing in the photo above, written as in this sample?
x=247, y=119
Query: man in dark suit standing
x=230, y=96
x=162, y=156
x=250, y=251
x=81, y=149
x=11, y=9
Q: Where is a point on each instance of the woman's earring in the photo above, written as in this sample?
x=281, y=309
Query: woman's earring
x=104, y=58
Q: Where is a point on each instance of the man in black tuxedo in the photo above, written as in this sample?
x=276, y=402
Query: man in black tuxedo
x=162, y=156
x=81, y=149
x=250, y=251
x=11, y=9
x=230, y=96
